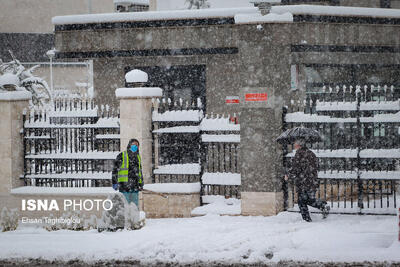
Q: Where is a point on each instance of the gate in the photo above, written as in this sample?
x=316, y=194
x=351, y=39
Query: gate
x=359, y=155
x=71, y=144
x=190, y=147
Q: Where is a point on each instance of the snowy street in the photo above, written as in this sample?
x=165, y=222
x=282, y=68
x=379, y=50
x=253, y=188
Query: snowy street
x=222, y=239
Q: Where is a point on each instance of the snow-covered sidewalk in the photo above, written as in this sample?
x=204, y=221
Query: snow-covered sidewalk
x=227, y=239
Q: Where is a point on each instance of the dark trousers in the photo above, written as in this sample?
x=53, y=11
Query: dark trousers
x=307, y=197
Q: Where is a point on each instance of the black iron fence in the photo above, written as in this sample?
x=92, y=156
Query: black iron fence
x=70, y=144
x=189, y=147
x=359, y=155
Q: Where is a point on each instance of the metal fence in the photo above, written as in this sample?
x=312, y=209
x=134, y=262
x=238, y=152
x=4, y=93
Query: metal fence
x=190, y=147
x=360, y=151
x=70, y=144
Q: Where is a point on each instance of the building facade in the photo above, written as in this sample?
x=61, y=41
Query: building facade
x=215, y=58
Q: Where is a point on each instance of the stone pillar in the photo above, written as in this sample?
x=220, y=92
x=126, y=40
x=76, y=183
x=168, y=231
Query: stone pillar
x=259, y=125
x=135, y=121
x=12, y=105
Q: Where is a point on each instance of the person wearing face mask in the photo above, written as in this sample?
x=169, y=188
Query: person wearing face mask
x=127, y=174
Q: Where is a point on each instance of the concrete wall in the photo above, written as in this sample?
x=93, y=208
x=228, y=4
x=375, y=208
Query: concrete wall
x=35, y=16
x=361, y=3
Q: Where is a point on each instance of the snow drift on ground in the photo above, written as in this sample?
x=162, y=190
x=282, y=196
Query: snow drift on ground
x=219, y=238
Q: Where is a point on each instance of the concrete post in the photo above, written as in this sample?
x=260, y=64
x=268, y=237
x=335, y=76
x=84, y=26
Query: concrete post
x=261, y=188
x=135, y=121
x=12, y=105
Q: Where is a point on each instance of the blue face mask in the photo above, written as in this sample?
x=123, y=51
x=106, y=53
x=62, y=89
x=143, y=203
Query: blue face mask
x=134, y=148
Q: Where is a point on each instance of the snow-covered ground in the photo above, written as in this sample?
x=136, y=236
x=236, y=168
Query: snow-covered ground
x=227, y=239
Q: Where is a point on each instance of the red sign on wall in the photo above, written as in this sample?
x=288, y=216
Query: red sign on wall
x=232, y=100
x=256, y=97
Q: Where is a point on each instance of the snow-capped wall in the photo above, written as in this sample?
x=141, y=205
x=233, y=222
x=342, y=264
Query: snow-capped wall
x=153, y=15
x=15, y=95
x=336, y=11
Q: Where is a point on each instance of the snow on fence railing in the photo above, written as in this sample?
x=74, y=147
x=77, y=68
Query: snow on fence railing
x=359, y=154
x=71, y=143
x=220, y=136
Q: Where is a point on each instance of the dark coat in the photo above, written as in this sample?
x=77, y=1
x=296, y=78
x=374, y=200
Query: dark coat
x=304, y=171
x=133, y=173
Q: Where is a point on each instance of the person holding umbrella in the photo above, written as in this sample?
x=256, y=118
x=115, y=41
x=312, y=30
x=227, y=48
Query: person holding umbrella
x=304, y=170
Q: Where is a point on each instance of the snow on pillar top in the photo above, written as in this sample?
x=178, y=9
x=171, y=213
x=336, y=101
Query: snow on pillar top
x=136, y=76
x=138, y=92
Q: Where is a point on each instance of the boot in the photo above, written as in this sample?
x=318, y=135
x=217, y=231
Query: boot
x=325, y=211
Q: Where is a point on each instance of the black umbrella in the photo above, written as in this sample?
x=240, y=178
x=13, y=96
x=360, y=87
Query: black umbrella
x=291, y=135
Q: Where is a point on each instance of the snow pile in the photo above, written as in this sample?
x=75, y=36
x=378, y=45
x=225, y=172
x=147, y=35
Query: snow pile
x=133, y=2
x=171, y=188
x=82, y=155
x=188, y=168
x=178, y=115
x=382, y=105
x=221, y=178
x=40, y=190
x=352, y=153
x=152, y=15
x=218, y=124
x=386, y=175
x=383, y=175
x=72, y=175
x=337, y=175
x=380, y=153
x=108, y=123
x=138, y=92
x=336, y=11
x=220, y=206
x=339, y=153
x=382, y=118
x=9, y=79
x=108, y=136
x=15, y=95
x=259, y=18
x=302, y=117
x=8, y=219
x=101, y=123
x=72, y=220
x=136, y=76
x=178, y=129
x=183, y=4
x=224, y=239
x=221, y=138
x=123, y=215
